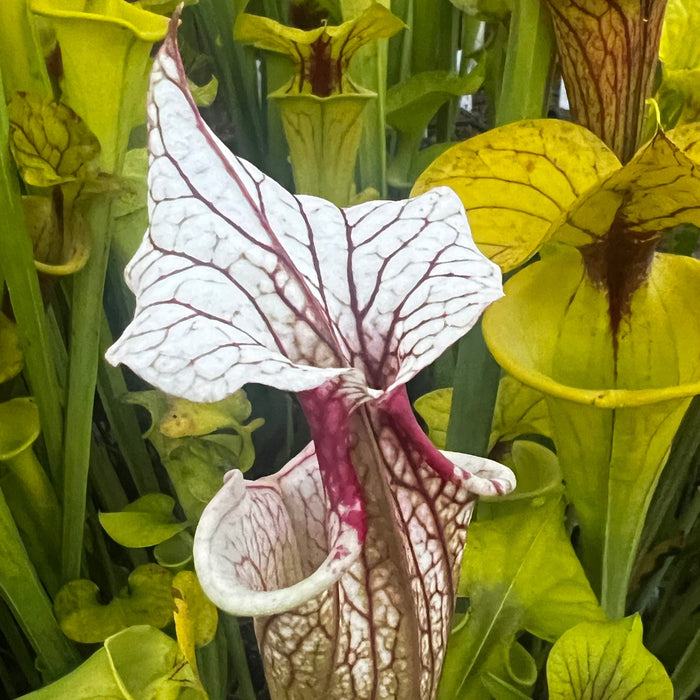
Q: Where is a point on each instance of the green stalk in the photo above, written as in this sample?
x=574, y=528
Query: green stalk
x=29, y=603
x=36, y=512
x=19, y=649
x=86, y=320
x=125, y=428
x=473, y=396
x=235, y=68
x=369, y=70
x=525, y=87
x=17, y=263
x=237, y=656
x=686, y=675
x=523, y=95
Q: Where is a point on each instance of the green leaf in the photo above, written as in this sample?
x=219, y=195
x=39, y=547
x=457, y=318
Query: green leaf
x=204, y=95
x=411, y=105
x=146, y=599
x=434, y=409
x=184, y=418
x=197, y=462
x=606, y=661
x=138, y=663
x=519, y=410
x=146, y=522
x=175, y=553
x=196, y=617
x=50, y=143
x=520, y=572
x=516, y=181
x=11, y=358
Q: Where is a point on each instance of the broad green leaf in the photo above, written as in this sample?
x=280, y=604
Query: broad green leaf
x=146, y=522
x=11, y=358
x=184, y=418
x=519, y=410
x=60, y=247
x=196, y=463
x=520, y=572
x=138, y=663
x=195, y=615
x=606, y=661
x=411, y=105
x=204, y=95
x=50, y=143
x=434, y=409
x=176, y=553
x=146, y=599
x=516, y=181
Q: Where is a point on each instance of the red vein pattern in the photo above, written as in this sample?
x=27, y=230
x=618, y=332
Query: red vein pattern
x=348, y=557
x=609, y=50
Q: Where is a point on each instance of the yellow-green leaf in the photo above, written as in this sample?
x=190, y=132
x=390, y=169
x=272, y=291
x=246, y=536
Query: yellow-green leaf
x=50, y=143
x=138, y=663
x=184, y=417
x=146, y=599
x=146, y=522
x=11, y=358
x=520, y=572
x=195, y=615
x=519, y=410
x=606, y=661
x=516, y=181
x=434, y=408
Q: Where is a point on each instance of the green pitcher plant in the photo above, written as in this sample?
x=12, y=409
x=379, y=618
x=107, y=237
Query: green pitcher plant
x=603, y=325
x=321, y=106
x=348, y=558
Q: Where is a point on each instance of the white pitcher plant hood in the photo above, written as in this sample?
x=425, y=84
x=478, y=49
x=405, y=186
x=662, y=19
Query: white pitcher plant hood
x=349, y=556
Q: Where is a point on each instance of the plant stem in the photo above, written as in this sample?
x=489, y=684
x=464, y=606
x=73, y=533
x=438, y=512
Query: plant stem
x=237, y=656
x=525, y=87
x=474, y=395
x=86, y=319
x=29, y=603
x=686, y=675
x=17, y=262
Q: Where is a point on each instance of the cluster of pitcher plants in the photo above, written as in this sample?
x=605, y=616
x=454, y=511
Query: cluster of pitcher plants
x=348, y=349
